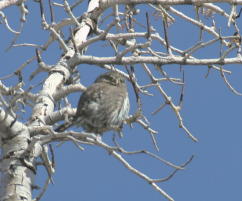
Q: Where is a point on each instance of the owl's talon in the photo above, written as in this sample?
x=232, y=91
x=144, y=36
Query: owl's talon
x=98, y=138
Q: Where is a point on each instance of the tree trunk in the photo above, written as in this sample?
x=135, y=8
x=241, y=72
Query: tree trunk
x=17, y=171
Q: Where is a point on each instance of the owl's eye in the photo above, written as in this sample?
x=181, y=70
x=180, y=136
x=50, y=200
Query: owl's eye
x=121, y=80
x=112, y=79
x=115, y=80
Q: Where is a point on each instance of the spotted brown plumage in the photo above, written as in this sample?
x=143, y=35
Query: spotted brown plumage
x=103, y=106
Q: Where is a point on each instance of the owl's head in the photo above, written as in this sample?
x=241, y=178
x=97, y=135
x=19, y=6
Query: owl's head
x=112, y=77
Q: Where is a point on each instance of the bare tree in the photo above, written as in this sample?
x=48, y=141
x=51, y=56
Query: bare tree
x=29, y=115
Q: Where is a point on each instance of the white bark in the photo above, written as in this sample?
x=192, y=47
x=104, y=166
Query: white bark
x=17, y=155
x=16, y=178
x=109, y=3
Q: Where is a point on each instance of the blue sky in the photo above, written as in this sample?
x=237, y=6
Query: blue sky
x=210, y=111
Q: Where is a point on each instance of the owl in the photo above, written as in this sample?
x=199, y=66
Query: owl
x=103, y=106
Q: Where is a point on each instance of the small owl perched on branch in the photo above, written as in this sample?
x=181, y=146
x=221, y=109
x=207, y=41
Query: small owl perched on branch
x=103, y=106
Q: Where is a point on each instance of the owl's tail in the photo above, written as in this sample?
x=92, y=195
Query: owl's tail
x=64, y=126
